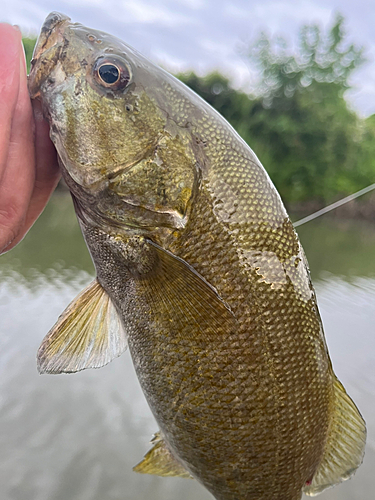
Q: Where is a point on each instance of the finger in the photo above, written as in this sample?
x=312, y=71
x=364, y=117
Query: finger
x=9, y=85
x=18, y=176
x=47, y=173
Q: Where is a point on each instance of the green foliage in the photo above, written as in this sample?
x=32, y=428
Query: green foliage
x=28, y=45
x=299, y=124
x=320, y=58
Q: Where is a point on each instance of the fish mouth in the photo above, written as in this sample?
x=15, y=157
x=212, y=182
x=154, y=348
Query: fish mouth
x=47, y=51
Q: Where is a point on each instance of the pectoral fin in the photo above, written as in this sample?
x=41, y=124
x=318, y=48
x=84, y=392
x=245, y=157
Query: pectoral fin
x=183, y=299
x=88, y=334
x=159, y=461
x=345, y=445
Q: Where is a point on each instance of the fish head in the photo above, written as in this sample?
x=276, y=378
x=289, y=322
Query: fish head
x=114, y=124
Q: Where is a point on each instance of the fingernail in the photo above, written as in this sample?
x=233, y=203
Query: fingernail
x=17, y=28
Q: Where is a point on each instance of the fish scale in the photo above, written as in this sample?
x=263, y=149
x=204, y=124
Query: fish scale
x=286, y=246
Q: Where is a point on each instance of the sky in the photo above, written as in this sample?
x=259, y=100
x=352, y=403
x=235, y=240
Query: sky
x=204, y=35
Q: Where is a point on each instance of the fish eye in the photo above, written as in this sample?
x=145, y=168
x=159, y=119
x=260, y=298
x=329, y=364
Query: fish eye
x=112, y=74
x=109, y=73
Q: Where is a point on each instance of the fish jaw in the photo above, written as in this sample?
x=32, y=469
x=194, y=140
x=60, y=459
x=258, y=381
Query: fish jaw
x=56, y=72
x=47, y=51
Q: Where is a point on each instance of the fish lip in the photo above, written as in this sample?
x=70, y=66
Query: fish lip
x=52, y=20
x=49, y=32
x=47, y=50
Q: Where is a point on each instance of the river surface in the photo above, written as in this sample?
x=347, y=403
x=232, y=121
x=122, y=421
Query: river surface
x=77, y=437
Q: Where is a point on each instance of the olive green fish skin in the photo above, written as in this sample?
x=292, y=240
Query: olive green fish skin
x=247, y=411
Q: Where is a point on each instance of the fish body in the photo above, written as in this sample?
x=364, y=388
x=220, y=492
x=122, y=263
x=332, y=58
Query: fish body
x=199, y=271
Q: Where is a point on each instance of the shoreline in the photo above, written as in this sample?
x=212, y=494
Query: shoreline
x=359, y=209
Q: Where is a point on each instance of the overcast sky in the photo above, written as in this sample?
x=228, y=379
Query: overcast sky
x=206, y=34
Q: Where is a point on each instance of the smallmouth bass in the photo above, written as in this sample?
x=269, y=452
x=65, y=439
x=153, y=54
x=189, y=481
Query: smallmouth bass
x=199, y=272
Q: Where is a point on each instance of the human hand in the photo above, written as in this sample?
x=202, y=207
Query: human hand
x=28, y=162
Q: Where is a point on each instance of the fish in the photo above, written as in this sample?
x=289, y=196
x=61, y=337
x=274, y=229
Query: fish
x=199, y=272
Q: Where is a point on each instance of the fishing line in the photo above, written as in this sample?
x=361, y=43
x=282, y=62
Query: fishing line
x=334, y=205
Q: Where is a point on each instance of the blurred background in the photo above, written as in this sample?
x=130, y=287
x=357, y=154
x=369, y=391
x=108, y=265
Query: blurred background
x=297, y=81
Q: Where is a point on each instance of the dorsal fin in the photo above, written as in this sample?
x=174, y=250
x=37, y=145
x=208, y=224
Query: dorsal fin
x=88, y=334
x=345, y=444
x=159, y=461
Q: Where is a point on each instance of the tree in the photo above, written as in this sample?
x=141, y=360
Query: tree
x=298, y=122
x=318, y=58
x=314, y=138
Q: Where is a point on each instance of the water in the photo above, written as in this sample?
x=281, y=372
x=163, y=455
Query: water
x=77, y=437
